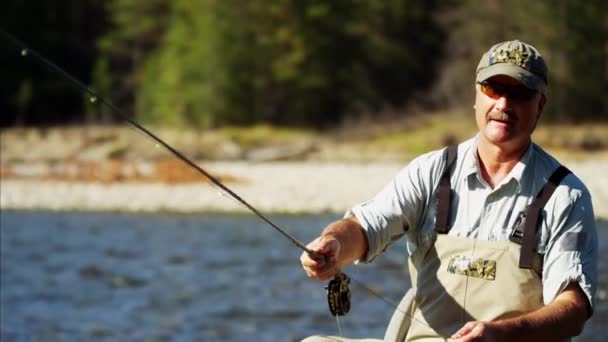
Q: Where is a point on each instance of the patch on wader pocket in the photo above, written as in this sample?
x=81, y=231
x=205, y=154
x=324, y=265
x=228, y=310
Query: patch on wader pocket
x=478, y=268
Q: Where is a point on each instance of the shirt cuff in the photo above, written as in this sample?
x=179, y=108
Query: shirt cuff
x=372, y=244
x=575, y=275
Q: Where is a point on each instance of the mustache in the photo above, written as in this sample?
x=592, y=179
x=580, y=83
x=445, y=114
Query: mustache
x=500, y=116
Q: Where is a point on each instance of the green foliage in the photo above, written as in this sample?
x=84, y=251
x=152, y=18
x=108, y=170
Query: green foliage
x=102, y=84
x=179, y=81
x=314, y=63
x=287, y=62
x=136, y=30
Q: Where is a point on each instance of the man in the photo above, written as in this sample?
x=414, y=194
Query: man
x=501, y=238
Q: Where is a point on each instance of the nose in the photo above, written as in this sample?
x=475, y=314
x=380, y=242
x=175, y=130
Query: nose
x=503, y=104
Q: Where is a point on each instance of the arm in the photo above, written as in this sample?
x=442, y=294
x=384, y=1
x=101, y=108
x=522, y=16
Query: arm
x=341, y=243
x=400, y=204
x=559, y=320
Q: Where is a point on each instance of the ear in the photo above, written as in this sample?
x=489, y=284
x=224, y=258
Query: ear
x=541, y=105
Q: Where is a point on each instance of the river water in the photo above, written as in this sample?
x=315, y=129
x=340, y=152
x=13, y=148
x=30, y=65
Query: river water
x=125, y=277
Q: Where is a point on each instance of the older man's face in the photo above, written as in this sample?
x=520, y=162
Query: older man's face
x=507, y=112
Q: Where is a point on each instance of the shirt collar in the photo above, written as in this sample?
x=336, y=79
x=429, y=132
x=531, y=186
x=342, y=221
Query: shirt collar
x=471, y=165
x=517, y=173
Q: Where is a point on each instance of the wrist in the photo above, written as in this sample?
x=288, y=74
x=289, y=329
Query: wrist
x=507, y=329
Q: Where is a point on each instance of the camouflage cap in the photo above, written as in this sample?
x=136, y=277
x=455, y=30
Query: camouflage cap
x=515, y=59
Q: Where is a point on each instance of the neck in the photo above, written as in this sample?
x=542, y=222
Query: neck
x=495, y=162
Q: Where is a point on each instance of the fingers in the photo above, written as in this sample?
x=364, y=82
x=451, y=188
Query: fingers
x=322, y=265
x=475, y=331
x=469, y=332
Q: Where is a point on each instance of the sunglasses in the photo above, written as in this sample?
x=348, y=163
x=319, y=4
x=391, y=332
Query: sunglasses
x=517, y=93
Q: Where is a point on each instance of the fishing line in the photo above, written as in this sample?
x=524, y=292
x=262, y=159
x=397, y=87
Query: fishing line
x=375, y=293
x=338, y=325
x=25, y=51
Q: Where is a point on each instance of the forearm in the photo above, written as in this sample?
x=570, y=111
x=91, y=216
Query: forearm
x=562, y=319
x=558, y=321
x=351, y=237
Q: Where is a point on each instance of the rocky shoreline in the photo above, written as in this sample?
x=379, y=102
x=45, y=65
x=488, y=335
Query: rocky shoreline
x=279, y=187
x=272, y=187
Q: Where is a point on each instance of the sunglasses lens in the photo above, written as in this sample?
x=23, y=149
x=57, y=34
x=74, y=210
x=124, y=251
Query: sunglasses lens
x=490, y=91
x=515, y=93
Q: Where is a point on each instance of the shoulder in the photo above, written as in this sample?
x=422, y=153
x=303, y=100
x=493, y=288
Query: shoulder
x=571, y=186
x=571, y=204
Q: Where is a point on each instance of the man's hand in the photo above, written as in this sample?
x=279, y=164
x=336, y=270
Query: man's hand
x=341, y=243
x=323, y=267
x=477, y=331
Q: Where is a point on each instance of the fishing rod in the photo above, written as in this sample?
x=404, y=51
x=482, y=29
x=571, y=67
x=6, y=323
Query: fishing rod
x=338, y=293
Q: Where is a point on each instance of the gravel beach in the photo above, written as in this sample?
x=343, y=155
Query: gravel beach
x=272, y=187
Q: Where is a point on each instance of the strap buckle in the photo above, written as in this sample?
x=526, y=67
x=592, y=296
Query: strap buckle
x=517, y=235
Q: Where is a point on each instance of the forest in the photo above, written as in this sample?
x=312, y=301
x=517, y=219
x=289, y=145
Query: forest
x=299, y=63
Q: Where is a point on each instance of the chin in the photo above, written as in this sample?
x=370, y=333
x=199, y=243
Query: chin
x=498, y=136
x=507, y=142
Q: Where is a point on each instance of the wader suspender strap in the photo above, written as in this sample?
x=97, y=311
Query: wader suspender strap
x=444, y=195
x=532, y=216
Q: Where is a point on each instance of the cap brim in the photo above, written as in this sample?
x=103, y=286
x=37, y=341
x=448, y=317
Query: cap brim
x=520, y=74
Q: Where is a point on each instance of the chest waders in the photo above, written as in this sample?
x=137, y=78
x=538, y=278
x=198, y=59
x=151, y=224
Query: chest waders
x=461, y=279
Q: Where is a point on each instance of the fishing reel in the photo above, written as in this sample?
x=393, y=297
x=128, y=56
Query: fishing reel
x=338, y=295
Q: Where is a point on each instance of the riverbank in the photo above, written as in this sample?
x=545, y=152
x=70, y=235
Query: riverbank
x=277, y=170
x=278, y=187
x=272, y=187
